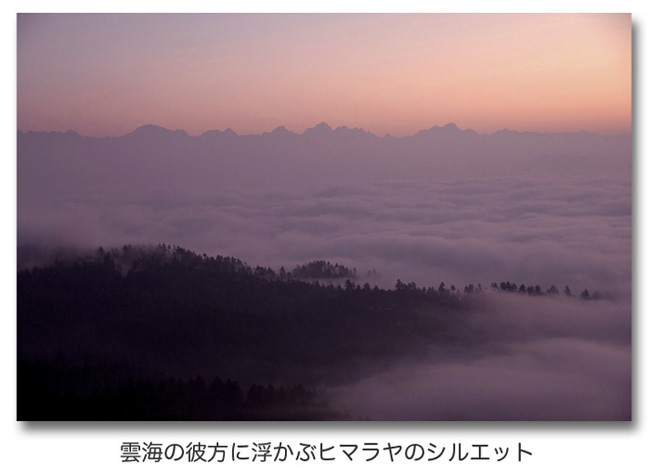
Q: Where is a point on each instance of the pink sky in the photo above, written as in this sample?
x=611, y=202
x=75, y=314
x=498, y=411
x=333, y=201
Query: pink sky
x=106, y=74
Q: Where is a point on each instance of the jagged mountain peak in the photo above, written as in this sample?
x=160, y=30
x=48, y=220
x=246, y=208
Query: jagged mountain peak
x=322, y=129
x=155, y=130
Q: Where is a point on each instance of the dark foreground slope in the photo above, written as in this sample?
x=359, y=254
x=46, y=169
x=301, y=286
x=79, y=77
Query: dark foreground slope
x=163, y=333
x=135, y=334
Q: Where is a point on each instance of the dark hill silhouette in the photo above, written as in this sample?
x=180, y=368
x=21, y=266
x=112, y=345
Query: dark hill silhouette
x=135, y=333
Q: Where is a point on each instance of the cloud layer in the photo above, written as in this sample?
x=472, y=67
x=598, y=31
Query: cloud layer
x=444, y=205
x=556, y=359
x=402, y=206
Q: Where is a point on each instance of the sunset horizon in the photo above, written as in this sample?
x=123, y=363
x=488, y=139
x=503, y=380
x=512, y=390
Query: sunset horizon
x=397, y=74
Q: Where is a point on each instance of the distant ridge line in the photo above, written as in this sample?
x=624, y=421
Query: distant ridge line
x=322, y=129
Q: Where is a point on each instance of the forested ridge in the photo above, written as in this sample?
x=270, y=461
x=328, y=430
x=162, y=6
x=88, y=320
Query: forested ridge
x=165, y=333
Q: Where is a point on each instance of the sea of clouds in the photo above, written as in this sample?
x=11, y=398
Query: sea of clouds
x=531, y=219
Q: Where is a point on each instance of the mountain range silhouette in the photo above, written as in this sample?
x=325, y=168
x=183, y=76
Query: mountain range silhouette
x=52, y=164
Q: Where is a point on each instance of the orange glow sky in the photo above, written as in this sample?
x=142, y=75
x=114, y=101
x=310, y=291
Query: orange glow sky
x=107, y=74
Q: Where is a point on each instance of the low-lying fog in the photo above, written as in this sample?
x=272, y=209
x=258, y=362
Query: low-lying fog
x=551, y=359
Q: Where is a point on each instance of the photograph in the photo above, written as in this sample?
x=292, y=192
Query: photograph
x=345, y=217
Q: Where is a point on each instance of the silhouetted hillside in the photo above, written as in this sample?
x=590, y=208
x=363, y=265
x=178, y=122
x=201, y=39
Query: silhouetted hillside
x=165, y=312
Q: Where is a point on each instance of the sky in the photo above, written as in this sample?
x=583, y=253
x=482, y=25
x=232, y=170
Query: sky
x=107, y=74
